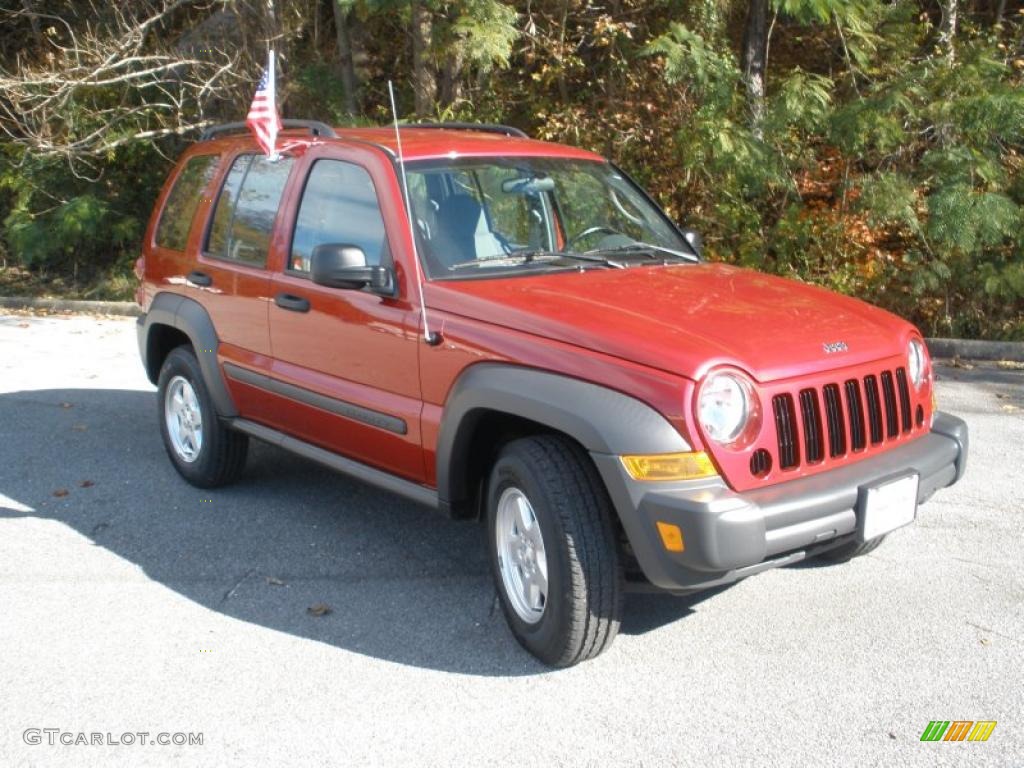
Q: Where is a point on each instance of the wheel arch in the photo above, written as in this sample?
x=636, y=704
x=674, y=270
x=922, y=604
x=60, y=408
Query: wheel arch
x=491, y=403
x=173, y=319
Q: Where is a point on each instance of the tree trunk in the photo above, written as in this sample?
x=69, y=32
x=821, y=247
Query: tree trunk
x=346, y=64
x=947, y=29
x=424, y=82
x=754, y=59
x=450, y=87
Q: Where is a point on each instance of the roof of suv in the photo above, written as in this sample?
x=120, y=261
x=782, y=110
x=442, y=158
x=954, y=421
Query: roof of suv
x=423, y=143
x=430, y=143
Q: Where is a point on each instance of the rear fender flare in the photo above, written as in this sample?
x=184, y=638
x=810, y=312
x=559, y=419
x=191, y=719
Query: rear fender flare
x=189, y=317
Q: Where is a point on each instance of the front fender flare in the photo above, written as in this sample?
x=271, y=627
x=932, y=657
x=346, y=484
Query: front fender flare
x=602, y=420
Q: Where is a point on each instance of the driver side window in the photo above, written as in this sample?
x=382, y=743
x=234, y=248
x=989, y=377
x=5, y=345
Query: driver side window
x=339, y=205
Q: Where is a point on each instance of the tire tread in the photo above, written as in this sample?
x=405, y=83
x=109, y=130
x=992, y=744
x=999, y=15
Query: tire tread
x=584, y=511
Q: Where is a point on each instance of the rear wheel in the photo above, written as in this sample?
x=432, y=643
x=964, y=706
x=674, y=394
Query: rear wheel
x=553, y=552
x=203, y=450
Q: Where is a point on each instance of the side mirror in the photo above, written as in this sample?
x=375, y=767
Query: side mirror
x=695, y=241
x=340, y=265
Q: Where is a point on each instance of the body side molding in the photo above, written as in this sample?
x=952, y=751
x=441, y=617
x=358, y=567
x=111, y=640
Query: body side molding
x=305, y=396
x=602, y=420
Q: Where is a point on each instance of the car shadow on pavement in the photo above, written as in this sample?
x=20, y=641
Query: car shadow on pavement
x=398, y=581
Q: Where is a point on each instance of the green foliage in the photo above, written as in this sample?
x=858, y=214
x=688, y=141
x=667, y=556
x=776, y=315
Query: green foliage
x=482, y=33
x=81, y=226
x=878, y=166
x=899, y=179
x=890, y=199
x=710, y=75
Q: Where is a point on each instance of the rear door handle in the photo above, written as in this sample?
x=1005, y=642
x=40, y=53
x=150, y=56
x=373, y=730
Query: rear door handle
x=291, y=303
x=199, y=278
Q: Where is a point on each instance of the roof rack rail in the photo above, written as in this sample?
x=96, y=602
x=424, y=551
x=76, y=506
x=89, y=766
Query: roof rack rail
x=316, y=128
x=506, y=130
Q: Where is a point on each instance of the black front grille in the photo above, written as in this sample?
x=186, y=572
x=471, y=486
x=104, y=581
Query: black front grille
x=891, y=415
x=901, y=379
x=785, y=426
x=834, y=415
x=855, y=410
x=810, y=411
x=760, y=463
x=874, y=409
x=845, y=417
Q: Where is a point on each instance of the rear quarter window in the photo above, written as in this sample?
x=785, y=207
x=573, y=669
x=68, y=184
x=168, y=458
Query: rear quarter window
x=182, y=202
x=243, y=219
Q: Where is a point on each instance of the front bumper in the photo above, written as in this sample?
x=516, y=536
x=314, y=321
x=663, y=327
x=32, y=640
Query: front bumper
x=731, y=535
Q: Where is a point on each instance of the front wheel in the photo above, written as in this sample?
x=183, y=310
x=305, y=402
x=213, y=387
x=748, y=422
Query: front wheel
x=553, y=550
x=853, y=549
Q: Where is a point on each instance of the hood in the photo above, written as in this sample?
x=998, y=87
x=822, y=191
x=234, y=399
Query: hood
x=685, y=318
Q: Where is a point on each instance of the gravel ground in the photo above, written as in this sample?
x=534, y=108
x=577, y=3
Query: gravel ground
x=131, y=602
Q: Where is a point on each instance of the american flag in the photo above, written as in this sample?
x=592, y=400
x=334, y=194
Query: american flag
x=263, y=120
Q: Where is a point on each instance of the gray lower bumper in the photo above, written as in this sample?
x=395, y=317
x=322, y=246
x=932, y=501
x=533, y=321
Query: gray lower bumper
x=731, y=535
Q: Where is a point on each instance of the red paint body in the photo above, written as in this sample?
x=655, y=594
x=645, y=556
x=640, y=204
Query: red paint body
x=653, y=332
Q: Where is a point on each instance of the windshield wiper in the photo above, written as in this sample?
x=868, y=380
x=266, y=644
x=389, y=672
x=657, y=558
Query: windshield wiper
x=507, y=259
x=526, y=257
x=649, y=248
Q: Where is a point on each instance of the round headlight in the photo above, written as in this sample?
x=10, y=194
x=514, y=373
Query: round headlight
x=917, y=362
x=725, y=407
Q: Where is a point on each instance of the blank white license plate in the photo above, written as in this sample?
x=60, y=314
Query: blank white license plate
x=889, y=506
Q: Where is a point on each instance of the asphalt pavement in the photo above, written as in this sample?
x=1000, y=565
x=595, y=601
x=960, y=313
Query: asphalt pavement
x=132, y=603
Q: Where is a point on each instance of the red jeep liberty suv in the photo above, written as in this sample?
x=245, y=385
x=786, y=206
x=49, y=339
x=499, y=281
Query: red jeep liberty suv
x=517, y=334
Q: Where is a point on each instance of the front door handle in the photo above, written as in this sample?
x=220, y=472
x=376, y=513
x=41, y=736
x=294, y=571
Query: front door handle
x=199, y=278
x=291, y=303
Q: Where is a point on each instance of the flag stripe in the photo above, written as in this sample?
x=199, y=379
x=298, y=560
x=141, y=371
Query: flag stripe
x=263, y=119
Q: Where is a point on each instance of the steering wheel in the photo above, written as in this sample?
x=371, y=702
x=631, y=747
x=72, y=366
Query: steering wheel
x=589, y=231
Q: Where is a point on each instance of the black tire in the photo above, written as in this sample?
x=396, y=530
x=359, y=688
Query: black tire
x=222, y=452
x=852, y=549
x=583, y=608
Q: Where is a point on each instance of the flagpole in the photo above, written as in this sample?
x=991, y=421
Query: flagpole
x=272, y=86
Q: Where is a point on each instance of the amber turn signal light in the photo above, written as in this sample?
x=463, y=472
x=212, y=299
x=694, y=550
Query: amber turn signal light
x=669, y=466
x=671, y=537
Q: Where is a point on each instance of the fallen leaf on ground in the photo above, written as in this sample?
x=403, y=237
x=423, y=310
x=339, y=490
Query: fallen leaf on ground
x=79, y=427
x=958, y=363
x=23, y=325
x=1010, y=408
x=320, y=609
x=86, y=484
x=984, y=641
x=60, y=493
x=275, y=582
x=1011, y=365
x=67, y=405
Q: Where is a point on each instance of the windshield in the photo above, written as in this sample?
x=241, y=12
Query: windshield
x=495, y=216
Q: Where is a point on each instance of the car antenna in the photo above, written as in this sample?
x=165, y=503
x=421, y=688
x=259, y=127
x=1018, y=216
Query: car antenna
x=433, y=339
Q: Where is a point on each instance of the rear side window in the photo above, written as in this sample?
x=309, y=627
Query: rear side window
x=244, y=216
x=180, y=209
x=339, y=205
